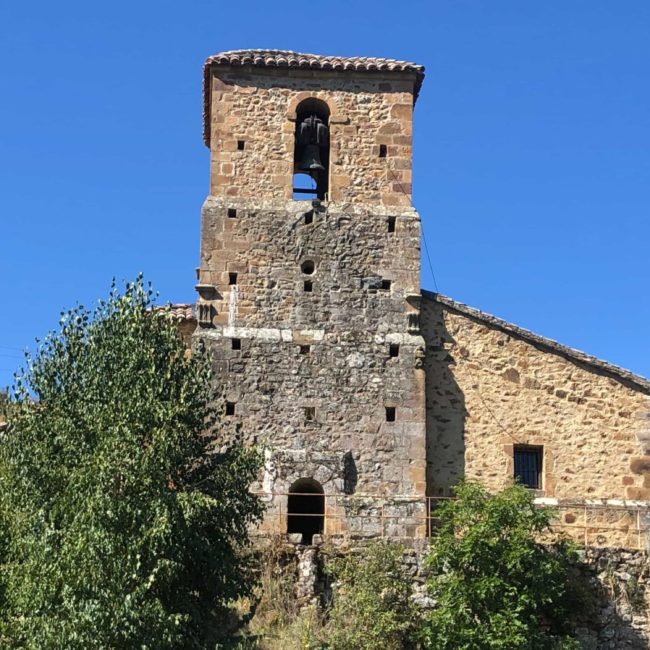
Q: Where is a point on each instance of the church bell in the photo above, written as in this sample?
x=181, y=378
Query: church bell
x=310, y=159
x=311, y=153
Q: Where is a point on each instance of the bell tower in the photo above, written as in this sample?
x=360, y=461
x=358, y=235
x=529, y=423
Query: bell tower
x=309, y=285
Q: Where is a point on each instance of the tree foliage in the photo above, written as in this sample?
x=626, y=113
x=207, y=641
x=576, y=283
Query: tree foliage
x=122, y=516
x=372, y=607
x=496, y=586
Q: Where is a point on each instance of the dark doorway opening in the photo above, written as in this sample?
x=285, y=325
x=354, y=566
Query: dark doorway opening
x=306, y=509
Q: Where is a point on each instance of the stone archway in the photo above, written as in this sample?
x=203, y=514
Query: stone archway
x=306, y=509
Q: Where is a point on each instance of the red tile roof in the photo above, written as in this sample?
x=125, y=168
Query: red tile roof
x=287, y=59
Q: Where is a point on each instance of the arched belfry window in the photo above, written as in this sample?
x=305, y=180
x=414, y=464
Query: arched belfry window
x=306, y=509
x=311, y=155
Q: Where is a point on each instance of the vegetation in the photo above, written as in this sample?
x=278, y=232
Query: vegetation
x=372, y=607
x=496, y=587
x=121, y=519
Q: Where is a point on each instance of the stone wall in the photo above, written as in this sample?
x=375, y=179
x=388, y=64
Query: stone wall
x=257, y=107
x=308, y=375
x=491, y=386
x=616, y=586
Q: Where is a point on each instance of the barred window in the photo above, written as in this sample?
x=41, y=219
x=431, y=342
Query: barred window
x=528, y=466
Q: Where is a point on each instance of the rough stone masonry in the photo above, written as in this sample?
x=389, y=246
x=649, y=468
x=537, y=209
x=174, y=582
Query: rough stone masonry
x=368, y=394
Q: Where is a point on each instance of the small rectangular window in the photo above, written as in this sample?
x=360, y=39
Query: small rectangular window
x=236, y=344
x=391, y=224
x=232, y=213
x=385, y=285
x=304, y=349
x=232, y=278
x=240, y=145
x=393, y=350
x=308, y=286
x=390, y=414
x=310, y=413
x=230, y=408
x=383, y=150
x=528, y=465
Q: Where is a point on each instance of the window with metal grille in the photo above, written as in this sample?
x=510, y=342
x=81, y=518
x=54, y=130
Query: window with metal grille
x=528, y=466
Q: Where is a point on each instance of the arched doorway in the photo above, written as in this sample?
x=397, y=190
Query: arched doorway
x=306, y=509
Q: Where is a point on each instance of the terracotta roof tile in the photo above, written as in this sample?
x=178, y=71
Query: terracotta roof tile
x=288, y=59
x=179, y=311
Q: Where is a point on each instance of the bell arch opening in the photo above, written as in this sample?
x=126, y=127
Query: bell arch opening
x=306, y=509
x=311, y=154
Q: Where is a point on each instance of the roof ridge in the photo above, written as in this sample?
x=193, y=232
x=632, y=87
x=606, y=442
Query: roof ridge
x=548, y=343
x=299, y=60
x=230, y=54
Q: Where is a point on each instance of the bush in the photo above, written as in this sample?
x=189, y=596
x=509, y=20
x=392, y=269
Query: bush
x=372, y=607
x=120, y=525
x=495, y=585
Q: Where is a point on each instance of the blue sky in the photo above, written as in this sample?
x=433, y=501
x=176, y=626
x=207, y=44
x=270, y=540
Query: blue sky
x=532, y=151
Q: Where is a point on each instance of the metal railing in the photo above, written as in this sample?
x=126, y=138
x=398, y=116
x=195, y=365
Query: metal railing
x=385, y=516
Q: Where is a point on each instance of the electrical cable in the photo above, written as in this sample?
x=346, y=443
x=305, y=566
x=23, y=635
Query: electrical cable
x=476, y=383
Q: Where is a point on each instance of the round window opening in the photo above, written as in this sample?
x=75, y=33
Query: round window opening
x=308, y=267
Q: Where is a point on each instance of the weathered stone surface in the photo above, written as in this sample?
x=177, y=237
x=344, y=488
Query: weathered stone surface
x=616, y=582
x=346, y=377
x=257, y=106
x=592, y=425
x=321, y=340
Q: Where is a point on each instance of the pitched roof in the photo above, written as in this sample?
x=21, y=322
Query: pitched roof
x=179, y=311
x=288, y=59
x=624, y=376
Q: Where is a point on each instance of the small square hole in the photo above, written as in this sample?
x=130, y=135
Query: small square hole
x=309, y=217
x=305, y=349
x=393, y=350
x=240, y=145
x=236, y=344
x=310, y=413
x=230, y=408
x=383, y=150
x=385, y=285
x=232, y=213
x=308, y=286
x=390, y=414
x=391, y=224
x=232, y=278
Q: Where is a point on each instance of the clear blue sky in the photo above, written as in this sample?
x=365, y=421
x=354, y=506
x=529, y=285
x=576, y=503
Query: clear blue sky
x=532, y=151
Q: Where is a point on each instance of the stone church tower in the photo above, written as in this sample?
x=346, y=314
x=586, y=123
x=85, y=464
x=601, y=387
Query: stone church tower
x=309, y=300
x=321, y=338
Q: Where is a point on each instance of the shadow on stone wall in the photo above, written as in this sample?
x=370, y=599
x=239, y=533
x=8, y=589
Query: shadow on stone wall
x=613, y=584
x=446, y=412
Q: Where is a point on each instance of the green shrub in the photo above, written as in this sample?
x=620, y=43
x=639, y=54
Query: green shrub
x=496, y=586
x=372, y=607
x=120, y=522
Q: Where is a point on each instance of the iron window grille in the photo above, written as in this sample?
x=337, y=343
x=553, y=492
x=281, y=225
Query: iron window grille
x=528, y=466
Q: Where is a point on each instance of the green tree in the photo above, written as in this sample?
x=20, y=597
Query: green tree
x=372, y=607
x=496, y=586
x=122, y=513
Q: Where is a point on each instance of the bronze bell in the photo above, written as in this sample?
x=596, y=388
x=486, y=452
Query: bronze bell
x=310, y=159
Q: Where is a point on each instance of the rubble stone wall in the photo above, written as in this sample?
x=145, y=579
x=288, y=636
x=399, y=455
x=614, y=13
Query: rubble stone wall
x=488, y=390
x=311, y=374
x=616, y=584
x=257, y=108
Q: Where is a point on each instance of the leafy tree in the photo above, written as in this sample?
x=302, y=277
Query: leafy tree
x=122, y=514
x=372, y=607
x=495, y=585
